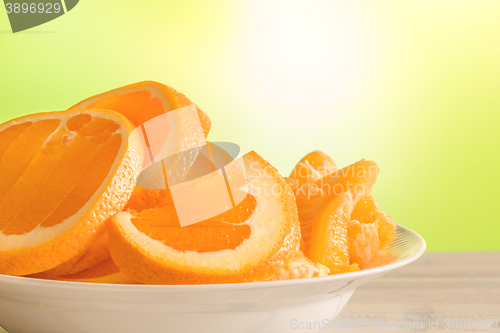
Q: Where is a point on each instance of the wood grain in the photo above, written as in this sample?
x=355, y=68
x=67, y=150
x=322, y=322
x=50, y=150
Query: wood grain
x=437, y=287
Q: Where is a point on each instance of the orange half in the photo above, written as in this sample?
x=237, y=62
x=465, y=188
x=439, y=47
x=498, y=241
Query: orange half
x=143, y=101
x=62, y=175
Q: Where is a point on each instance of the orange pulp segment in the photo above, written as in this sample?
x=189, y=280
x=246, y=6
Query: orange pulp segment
x=357, y=177
x=370, y=232
x=312, y=167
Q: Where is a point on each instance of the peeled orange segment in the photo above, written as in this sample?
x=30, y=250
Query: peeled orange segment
x=308, y=170
x=300, y=267
x=329, y=244
x=313, y=167
x=97, y=252
x=363, y=242
x=250, y=250
x=370, y=232
x=357, y=178
x=386, y=229
x=62, y=175
x=143, y=101
x=366, y=210
x=329, y=231
x=293, y=183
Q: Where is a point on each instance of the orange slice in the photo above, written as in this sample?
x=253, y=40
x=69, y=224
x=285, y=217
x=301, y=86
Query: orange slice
x=312, y=198
x=329, y=244
x=139, y=102
x=250, y=242
x=313, y=167
x=329, y=230
x=303, y=177
x=62, y=175
x=143, y=101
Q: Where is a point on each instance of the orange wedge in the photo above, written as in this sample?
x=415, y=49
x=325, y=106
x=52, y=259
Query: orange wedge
x=329, y=243
x=303, y=177
x=313, y=167
x=250, y=242
x=143, y=101
x=147, y=105
x=62, y=175
x=312, y=198
x=329, y=230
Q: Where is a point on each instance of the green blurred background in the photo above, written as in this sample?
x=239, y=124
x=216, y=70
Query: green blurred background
x=413, y=85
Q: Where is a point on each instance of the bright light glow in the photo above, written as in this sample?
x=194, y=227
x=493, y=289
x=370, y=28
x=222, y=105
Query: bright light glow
x=304, y=54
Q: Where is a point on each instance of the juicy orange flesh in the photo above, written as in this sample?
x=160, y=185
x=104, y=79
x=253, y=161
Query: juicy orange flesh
x=329, y=236
x=366, y=210
x=50, y=170
x=224, y=231
x=374, y=233
x=363, y=243
x=355, y=177
x=317, y=160
x=137, y=106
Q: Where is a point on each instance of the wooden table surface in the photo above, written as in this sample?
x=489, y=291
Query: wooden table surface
x=440, y=287
x=447, y=289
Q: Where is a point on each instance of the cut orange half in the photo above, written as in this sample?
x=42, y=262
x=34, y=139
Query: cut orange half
x=169, y=123
x=62, y=175
x=143, y=101
x=250, y=242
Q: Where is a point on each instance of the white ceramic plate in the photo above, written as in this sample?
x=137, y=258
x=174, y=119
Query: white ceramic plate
x=42, y=306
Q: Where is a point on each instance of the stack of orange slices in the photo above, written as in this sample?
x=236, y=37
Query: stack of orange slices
x=70, y=207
